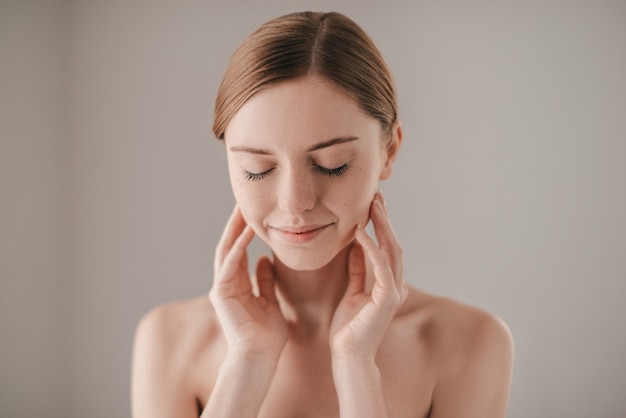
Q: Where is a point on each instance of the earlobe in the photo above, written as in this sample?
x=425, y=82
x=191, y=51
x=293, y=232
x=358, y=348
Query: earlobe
x=392, y=150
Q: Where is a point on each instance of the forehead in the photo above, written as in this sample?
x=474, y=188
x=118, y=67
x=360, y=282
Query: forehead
x=300, y=112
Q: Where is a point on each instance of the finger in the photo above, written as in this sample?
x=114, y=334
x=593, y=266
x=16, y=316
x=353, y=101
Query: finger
x=356, y=270
x=380, y=264
x=236, y=262
x=265, y=279
x=232, y=230
x=385, y=290
x=387, y=239
x=381, y=198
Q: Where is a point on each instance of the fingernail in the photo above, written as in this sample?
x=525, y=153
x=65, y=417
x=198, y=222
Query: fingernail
x=382, y=198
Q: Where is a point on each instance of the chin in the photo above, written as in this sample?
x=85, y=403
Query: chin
x=301, y=263
x=303, y=259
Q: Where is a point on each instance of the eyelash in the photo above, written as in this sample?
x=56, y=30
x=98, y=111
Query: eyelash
x=256, y=176
x=331, y=172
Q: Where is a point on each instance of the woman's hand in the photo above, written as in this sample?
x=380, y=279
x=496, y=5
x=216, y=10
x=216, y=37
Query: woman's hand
x=253, y=325
x=361, y=319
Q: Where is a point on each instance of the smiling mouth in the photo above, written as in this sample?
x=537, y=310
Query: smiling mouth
x=299, y=234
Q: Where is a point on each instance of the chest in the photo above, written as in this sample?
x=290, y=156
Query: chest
x=303, y=385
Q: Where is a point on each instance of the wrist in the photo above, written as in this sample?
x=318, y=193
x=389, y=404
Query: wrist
x=352, y=357
x=245, y=371
x=251, y=360
x=349, y=370
x=241, y=385
x=364, y=364
x=249, y=352
x=359, y=387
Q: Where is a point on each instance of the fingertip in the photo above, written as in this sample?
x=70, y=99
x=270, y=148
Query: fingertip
x=379, y=204
x=249, y=231
x=375, y=202
x=361, y=236
x=264, y=263
x=381, y=197
x=246, y=236
x=355, y=246
x=265, y=278
x=356, y=250
x=236, y=211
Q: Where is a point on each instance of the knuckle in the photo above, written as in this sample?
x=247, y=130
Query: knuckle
x=216, y=296
x=399, y=295
x=393, y=298
x=397, y=298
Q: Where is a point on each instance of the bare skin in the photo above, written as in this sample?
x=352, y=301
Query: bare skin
x=438, y=358
x=334, y=329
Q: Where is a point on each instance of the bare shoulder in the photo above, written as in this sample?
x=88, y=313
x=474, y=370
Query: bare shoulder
x=457, y=325
x=472, y=351
x=455, y=328
x=179, y=326
x=171, y=342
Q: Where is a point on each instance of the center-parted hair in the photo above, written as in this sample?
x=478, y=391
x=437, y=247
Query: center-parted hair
x=329, y=45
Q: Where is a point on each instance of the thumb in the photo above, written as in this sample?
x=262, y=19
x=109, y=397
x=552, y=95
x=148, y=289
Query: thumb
x=265, y=279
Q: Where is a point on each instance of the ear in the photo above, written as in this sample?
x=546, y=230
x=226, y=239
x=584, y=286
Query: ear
x=392, y=150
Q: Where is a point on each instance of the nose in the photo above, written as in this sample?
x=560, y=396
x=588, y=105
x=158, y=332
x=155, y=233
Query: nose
x=297, y=192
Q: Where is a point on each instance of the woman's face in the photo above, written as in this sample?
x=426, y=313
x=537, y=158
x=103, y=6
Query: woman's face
x=304, y=165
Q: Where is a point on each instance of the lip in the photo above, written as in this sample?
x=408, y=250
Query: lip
x=299, y=234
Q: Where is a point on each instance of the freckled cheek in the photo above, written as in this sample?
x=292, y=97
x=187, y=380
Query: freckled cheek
x=357, y=200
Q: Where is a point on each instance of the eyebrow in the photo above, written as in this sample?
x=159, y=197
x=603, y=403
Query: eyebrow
x=321, y=145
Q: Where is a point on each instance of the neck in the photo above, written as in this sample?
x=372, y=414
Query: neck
x=308, y=299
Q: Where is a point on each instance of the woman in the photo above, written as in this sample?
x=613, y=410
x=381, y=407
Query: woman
x=328, y=326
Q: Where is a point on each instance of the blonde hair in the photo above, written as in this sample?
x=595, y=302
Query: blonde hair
x=330, y=45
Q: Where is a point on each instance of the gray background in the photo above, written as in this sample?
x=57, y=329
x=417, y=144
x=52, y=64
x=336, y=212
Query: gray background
x=509, y=193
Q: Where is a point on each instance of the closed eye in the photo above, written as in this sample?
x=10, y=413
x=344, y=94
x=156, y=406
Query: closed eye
x=256, y=176
x=332, y=172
